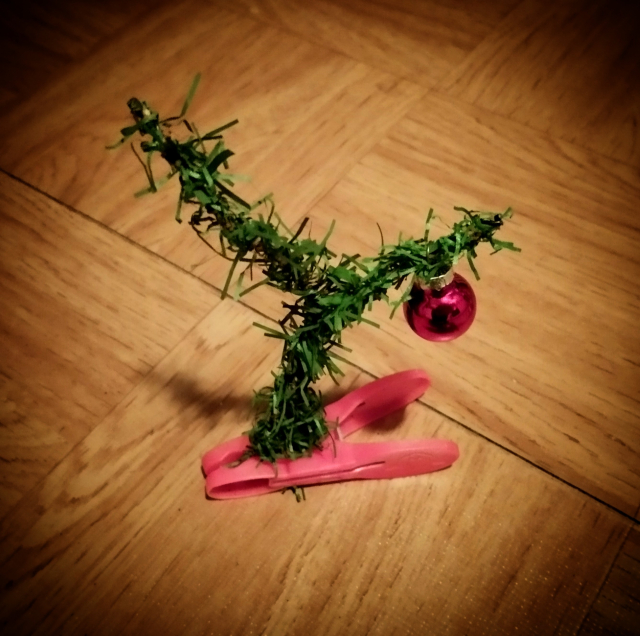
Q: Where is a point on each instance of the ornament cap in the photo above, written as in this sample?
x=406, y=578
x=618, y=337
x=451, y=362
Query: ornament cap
x=436, y=283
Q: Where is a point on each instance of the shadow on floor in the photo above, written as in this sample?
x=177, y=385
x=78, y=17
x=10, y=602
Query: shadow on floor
x=209, y=405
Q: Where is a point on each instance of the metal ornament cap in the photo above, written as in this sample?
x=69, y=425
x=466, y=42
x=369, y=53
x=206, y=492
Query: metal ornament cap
x=437, y=282
x=442, y=308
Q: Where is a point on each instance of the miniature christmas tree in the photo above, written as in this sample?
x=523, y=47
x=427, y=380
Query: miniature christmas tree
x=329, y=292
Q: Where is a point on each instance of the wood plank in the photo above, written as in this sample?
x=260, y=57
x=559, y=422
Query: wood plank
x=120, y=538
x=603, y=184
x=40, y=40
x=419, y=41
x=307, y=115
x=85, y=316
x=566, y=68
x=119, y=532
x=616, y=611
x=550, y=367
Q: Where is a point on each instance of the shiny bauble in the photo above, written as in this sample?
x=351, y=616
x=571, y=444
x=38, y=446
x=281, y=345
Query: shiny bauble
x=441, y=309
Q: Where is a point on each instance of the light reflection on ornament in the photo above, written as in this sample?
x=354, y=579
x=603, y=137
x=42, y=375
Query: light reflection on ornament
x=441, y=309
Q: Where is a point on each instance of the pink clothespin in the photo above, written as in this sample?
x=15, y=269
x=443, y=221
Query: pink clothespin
x=337, y=460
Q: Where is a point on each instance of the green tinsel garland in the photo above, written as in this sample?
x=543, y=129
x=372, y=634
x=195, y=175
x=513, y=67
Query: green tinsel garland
x=329, y=294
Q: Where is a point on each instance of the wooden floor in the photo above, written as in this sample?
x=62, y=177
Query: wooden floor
x=120, y=365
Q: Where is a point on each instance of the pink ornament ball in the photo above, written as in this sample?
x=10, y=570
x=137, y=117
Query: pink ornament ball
x=442, y=314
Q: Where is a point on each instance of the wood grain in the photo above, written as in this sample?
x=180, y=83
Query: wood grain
x=550, y=368
x=307, y=115
x=418, y=41
x=616, y=611
x=104, y=525
x=40, y=40
x=566, y=68
x=441, y=155
x=85, y=315
x=119, y=538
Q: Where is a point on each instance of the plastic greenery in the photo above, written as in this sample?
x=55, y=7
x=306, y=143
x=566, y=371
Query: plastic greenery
x=329, y=293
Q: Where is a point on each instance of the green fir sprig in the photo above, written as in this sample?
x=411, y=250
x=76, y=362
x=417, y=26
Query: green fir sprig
x=329, y=293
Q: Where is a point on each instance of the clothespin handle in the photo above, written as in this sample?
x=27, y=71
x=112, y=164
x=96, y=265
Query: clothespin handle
x=376, y=400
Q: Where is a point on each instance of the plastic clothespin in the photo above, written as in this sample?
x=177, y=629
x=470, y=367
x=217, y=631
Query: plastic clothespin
x=336, y=460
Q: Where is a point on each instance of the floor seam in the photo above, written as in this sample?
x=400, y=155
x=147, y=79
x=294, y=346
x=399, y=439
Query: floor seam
x=218, y=292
